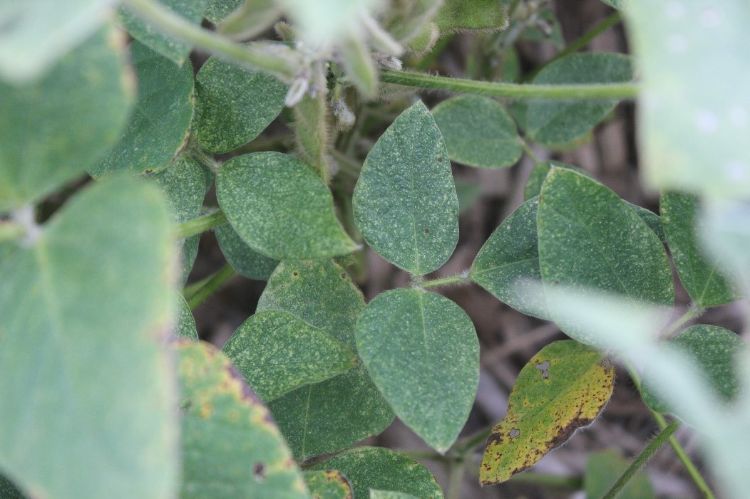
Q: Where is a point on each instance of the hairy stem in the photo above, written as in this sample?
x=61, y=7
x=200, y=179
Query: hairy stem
x=596, y=30
x=691, y=313
x=626, y=90
x=176, y=26
x=197, y=293
x=462, y=278
x=201, y=224
x=642, y=459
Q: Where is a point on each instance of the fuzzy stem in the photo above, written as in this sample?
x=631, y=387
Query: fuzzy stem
x=197, y=293
x=201, y=224
x=462, y=278
x=599, y=28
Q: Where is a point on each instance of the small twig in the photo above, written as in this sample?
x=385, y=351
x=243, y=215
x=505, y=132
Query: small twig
x=197, y=293
x=201, y=224
x=462, y=278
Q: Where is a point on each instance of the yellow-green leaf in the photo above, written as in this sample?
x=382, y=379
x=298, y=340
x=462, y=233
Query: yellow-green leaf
x=328, y=484
x=562, y=388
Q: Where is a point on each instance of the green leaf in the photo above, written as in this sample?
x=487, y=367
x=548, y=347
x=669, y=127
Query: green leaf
x=725, y=234
x=277, y=353
x=8, y=490
x=159, y=123
x=241, y=257
x=234, y=105
x=383, y=469
x=468, y=193
x=462, y=15
x=555, y=123
x=702, y=280
x=715, y=350
x=186, y=327
x=405, y=202
x=602, y=471
x=250, y=20
x=478, y=132
x=325, y=22
x=36, y=33
x=85, y=311
x=328, y=484
x=231, y=447
x=334, y=414
x=617, y=4
x=176, y=51
x=389, y=494
x=588, y=238
x=693, y=124
x=418, y=346
x=510, y=255
x=53, y=129
x=185, y=182
x=280, y=207
x=562, y=388
x=217, y=10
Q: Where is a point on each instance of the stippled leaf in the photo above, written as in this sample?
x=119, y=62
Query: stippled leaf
x=55, y=128
x=602, y=471
x=617, y=4
x=562, y=388
x=389, y=494
x=478, y=132
x=328, y=484
x=334, y=414
x=383, y=469
x=231, y=446
x=508, y=255
x=37, y=32
x=280, y=207
x=251, y=19
x=277, y=353
x=702, y=280
x=217, y=10
x=561, y=122
x=692, y=123
x=8, y=490
x=419, y=346
x=186, y=327
x=245, y=260
x=176, y=51
x=405, y=202
x=158, y=125
x=715, y=350
x=539, y=173
x=233, y=105
x=588, y=238
x=185, y=182
x=88, y=347
x=462, y=15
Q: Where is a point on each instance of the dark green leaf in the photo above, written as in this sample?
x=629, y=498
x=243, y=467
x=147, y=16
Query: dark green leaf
x=277, y=353
x=241, y=257
x=418, y=347
x=588, y=238
x=602, y=471
x=715, y=350
x=389, y=494
x=185, y=182
x=478, y=132
x=510, y=254
x=8, y=490
x=560, y=122
x=702, y=280
x=85, y=308
x=280, y=207
x=217, y=10
x=562, y=388
x=159, y=122
x=335, y=414
x=186, y=327
x=177, y=51
x=234, y=105
x=405, y=202
x=328, y=484
x=383, y=469
x=460, y=15
x=231, y=447
x=55, y=128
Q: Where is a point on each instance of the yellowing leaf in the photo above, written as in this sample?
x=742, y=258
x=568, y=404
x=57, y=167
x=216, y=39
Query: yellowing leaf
x=562, y=388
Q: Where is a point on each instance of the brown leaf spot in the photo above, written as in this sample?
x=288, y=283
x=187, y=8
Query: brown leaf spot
x=494, y=438
x=514, y=433
x=259, y=471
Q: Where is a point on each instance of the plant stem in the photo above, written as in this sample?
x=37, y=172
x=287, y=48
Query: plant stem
x=469, y=443
x=691, y=313
x=529, y=151
x=456, y=478
x=642, y=459
x=549, y=480
x=626, y=90
x=197, y=293
x=205, y=159
x=596, y=30
x=176, y=26
x=462, y=278
x=201, y=224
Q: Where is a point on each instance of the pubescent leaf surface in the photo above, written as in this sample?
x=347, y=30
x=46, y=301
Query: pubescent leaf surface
x=336, y=413
x=422, y=353
x=54, y=128
x=328, y=484
x=86, y=382
x=230, y=445
x=462, y=15
x=562, y=388
x=377, y=468
x=405, y=202
x=277, y=353
x=280, y=207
